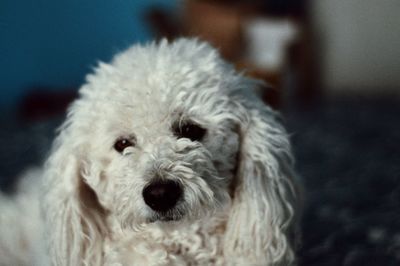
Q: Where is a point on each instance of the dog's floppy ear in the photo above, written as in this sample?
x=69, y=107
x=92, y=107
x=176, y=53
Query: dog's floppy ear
x=73, y=216
x=260, y=228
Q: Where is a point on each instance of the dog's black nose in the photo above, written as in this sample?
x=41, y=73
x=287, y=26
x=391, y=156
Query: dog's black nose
x=162, y=195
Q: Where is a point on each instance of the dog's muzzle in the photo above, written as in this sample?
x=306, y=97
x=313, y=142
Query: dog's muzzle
x=161, y=196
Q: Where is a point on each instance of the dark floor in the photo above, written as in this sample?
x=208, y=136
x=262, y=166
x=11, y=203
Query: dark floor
x=348, y=156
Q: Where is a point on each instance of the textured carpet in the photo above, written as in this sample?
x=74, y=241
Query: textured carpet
x=348, y=156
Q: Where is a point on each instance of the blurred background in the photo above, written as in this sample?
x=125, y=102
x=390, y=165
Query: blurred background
x=335, y=71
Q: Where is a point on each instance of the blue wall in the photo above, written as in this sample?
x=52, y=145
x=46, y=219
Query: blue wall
x=55, y=43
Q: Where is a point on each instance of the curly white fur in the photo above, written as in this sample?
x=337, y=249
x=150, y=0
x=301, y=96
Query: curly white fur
x=239, y=203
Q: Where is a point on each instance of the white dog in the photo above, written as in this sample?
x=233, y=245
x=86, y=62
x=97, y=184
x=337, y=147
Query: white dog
x=166, y=158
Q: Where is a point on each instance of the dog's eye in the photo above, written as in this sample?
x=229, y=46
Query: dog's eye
x=189, y=130
x=121, y=144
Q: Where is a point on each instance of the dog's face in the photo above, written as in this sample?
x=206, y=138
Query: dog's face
x=164, y=157
x=168, y=133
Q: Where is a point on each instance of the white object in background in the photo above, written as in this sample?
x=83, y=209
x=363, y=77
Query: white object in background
x=267, y=41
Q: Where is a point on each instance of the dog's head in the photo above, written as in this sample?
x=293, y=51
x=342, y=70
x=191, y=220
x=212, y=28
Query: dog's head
x=163, y=134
